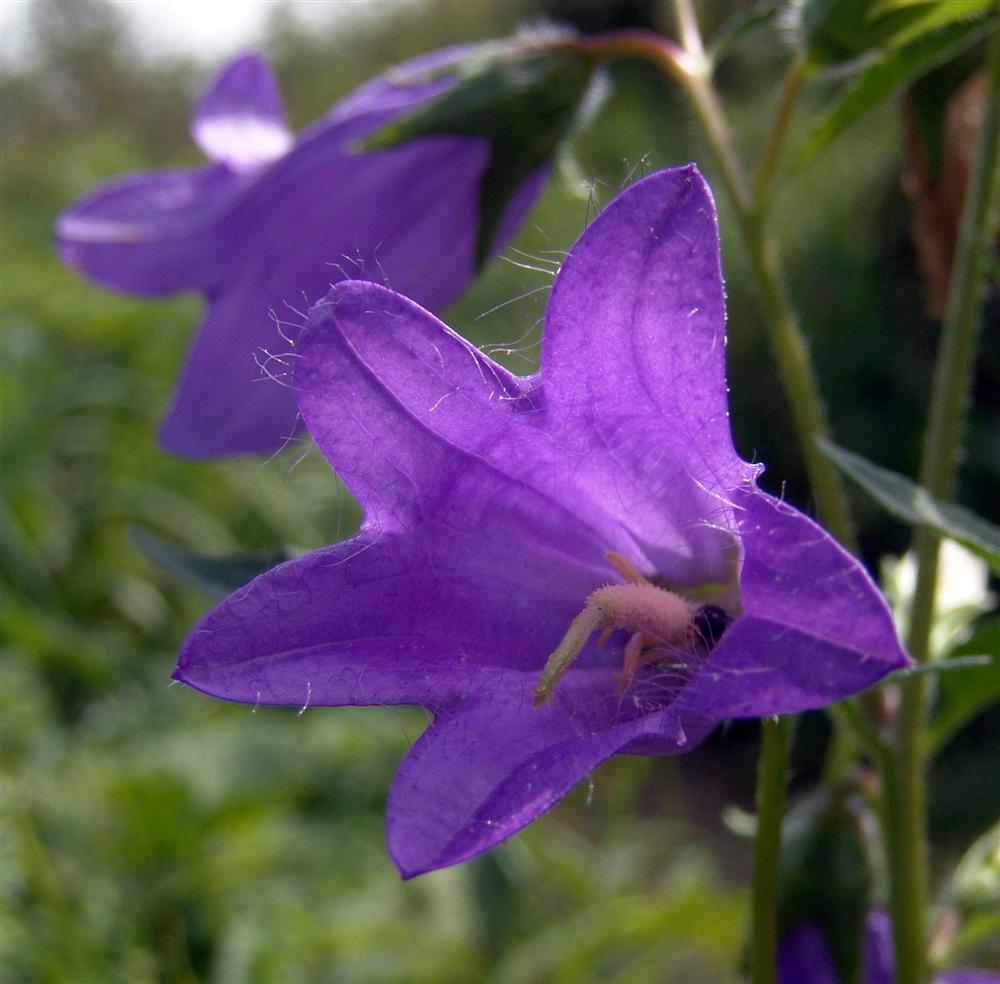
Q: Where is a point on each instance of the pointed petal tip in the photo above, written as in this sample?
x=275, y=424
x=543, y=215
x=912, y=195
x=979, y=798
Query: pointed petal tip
x=240, y=120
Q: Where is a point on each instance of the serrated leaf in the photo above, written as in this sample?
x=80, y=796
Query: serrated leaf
x=524, y=101
x=962, y=696
x=216, y=576
x=913, y=504
x=884, y=76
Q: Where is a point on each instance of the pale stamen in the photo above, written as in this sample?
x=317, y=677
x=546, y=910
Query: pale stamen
x=654, y=616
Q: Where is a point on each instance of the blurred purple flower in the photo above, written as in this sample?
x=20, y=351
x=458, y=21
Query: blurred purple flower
x=266, y=227
x=492, y=503
x=804, y=957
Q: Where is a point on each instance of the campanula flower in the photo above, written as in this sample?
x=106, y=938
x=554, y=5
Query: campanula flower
x=265, y=228
x=804, y=957
x=499, y=512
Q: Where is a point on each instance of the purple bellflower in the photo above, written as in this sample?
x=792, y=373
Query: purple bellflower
x=498, y=510
x=265, y=228
x=804, y=957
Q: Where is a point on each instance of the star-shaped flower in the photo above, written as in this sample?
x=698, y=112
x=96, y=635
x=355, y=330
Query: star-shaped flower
x=497, y=507
x=265, y=228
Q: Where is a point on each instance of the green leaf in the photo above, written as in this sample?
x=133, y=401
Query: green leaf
x=975, y=885
x=837, y=32
x=964, y=695
x=884, y=76
x=216, y=576
x=915, y=505
x=740, y=27
x=523, y=100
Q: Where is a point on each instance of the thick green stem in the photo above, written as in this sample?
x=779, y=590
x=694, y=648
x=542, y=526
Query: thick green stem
x=906, y=785
x=771, y=775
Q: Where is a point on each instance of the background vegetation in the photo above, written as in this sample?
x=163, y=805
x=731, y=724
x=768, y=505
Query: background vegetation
x=154, y=835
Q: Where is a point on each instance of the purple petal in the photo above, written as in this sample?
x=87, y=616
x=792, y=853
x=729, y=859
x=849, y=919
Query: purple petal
x=633, y=361
x=491, y=766
x=390, y=618
x=265, y=245
x=399, y=88
x=814, y=628
x=879, y=958
x=149, y=233
x=295, y=233
x=240, y=121
x=804, y=957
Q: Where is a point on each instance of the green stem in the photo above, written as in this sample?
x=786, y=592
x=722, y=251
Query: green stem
x=771, y=774
x=768, y=167
x=906, y=786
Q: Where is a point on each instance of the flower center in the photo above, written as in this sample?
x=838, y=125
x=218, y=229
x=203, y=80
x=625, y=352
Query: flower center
x=656, y=618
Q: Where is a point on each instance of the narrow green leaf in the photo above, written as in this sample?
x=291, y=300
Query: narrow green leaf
x=964, y=695
x=915, y=505
x=524, y=100
x=838, y=32
x=740, y=27
x=216, y=576
x=884, y=76
x=896, y=23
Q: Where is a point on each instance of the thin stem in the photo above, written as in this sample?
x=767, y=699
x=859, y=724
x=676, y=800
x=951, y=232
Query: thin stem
x=772, y=768
x=946, y=422
x=687, y=29
x=768, y=167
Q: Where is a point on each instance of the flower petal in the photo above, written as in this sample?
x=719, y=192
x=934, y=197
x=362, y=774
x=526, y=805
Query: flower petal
x=489, y=767
x=146, y=234
x=879, y=958
x=240, y=120
x=391, y=618
x=635, y=329
x=633, y=363
x=814, y=627
x=279, y=250
x=420, y=424
x=804, y=957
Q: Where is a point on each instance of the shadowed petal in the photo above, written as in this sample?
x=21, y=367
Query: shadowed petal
x=240, y=120
x=420, y=238
x=804, y=957
x=148, y=233
x=814, y=628
x=489, y=767
x=266, y=242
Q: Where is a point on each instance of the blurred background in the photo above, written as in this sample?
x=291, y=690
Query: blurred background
x=152, y=834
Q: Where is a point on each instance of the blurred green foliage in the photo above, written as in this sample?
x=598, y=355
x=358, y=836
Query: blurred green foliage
x=154, y=835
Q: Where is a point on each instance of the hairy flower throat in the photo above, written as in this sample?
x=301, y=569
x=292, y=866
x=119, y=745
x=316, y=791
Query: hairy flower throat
x=655, y=617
